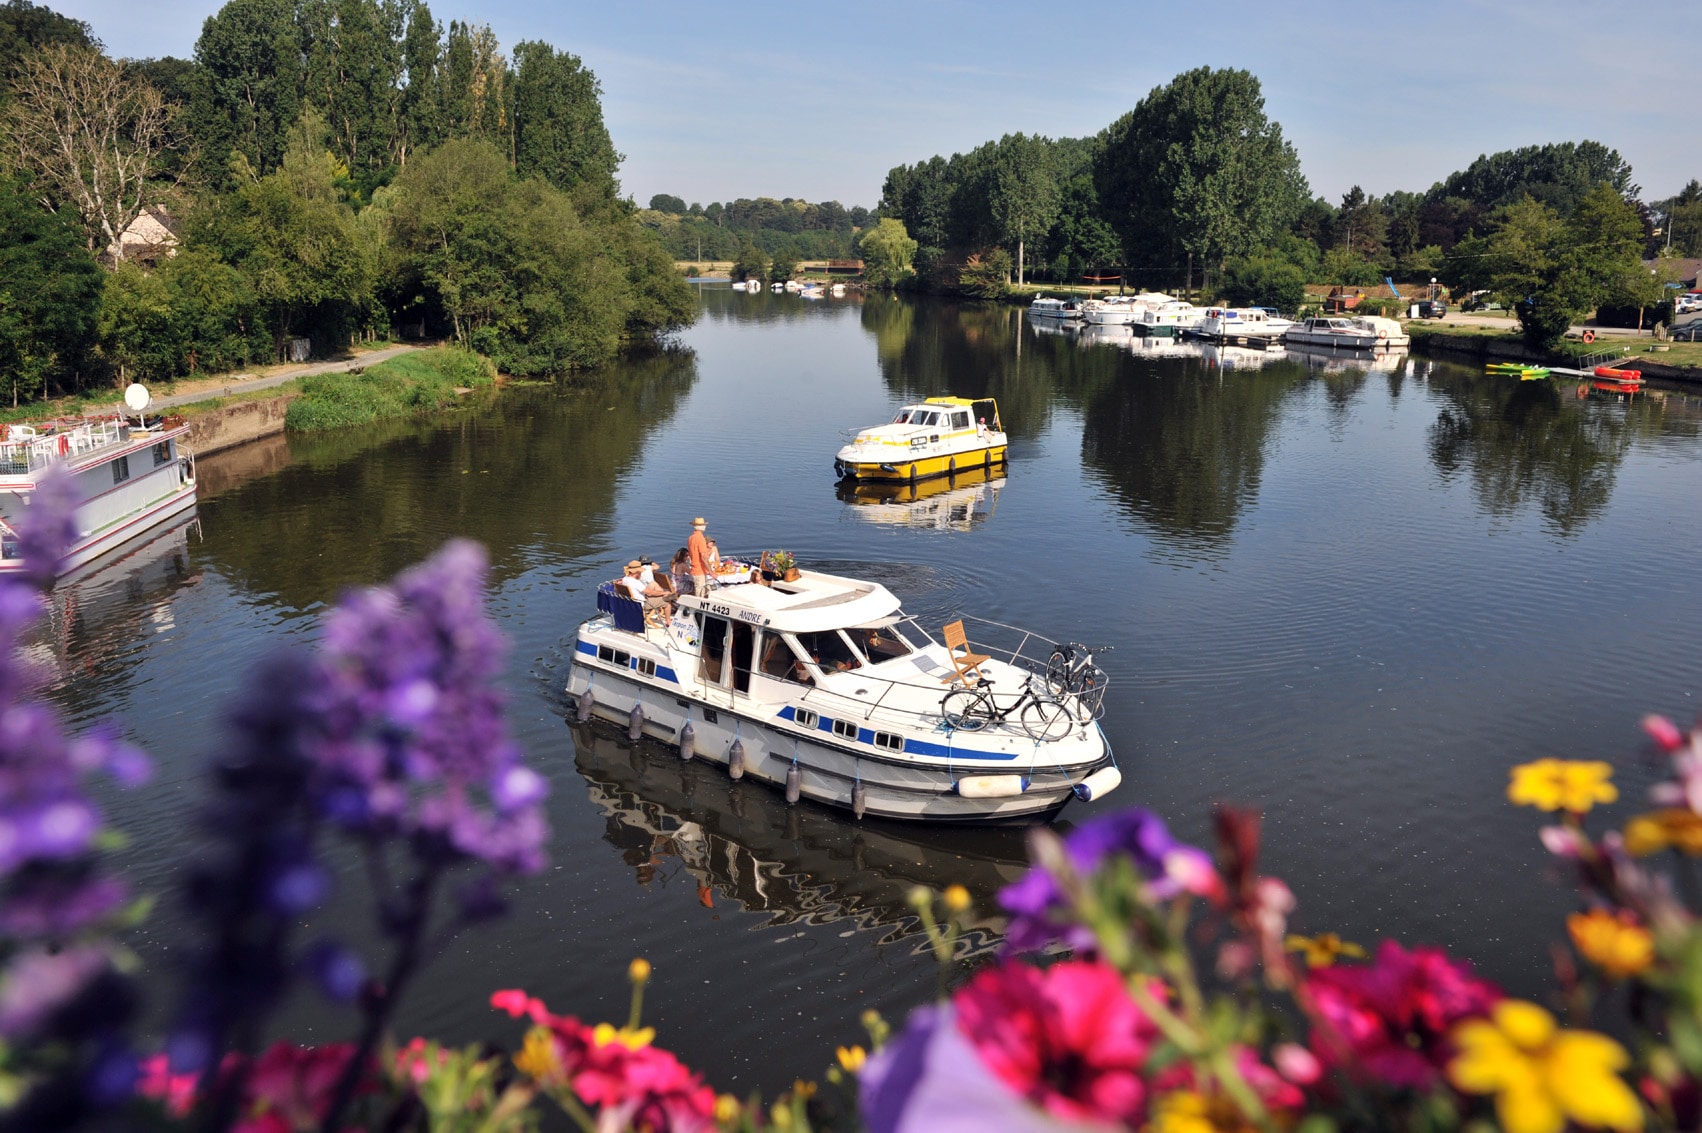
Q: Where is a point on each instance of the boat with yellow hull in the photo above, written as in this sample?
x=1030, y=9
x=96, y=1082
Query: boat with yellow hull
x=941, y=436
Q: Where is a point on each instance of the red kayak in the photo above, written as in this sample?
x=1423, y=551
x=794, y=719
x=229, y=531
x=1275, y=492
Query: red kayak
x=1623, y=377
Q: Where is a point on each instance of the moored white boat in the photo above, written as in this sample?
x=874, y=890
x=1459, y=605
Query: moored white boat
x=1113, y=310
x=937, y=437
x=1237, y=323
x=1333, y=330
x=838, y=290
x=1171, y=318
x=128, y=479
x=1388, y=332
x=1044, y=307
x=823, y=686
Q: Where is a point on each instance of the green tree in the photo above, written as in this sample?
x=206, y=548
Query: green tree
x=558, y=121
x=1022, y=191
x=473, y=86
x=26, y=28
x=419, y=123
x=312, y=267
x=50, y=290
x=250, y=60
x=664, y=202
x=1559, y=176
x=1196, y=170
x=352, y=73
x=986, y=277
x=888, y=252
x=1362, y=226
x=751, y=264
x=1265, y=281
x=784, y=267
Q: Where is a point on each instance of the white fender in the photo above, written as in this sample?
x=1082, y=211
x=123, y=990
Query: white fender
x=1099, y=784
x=991, y=786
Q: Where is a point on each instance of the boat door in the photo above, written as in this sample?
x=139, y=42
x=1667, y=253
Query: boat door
x=724, y=665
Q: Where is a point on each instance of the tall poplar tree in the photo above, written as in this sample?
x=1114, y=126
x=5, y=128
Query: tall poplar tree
x=1197, y=170
x=558, y=121
x=1022, y=191
x=250, y=55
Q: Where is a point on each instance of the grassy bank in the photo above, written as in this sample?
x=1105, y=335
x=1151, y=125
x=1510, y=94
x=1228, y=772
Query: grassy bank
x=421, y=382
x=1682, y=360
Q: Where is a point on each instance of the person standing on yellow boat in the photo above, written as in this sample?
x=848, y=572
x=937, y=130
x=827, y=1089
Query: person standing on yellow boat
x=698, y=548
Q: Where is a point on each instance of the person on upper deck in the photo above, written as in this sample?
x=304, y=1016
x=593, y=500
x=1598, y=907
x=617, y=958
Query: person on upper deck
x=631, y=584
x=680, y=568
x=697, y=547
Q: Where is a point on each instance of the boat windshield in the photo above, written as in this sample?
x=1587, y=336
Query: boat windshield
x=903, y=417
x=829, y=650
x=884, y=643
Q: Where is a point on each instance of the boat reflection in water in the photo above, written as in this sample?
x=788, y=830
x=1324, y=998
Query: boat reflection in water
x=110, y=605
x=1229, y=357
x=956, y=503
x=1338, y=360
x=685, y=824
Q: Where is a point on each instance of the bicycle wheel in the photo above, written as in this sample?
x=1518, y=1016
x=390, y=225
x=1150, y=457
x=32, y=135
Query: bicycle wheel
x=967, y=709
x=1046, y=720
x=1058, y=673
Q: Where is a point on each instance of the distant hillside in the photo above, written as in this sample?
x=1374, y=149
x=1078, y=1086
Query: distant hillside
x=788, y=227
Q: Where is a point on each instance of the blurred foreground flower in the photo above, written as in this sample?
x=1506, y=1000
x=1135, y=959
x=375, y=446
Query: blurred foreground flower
x=1617, y=945
x=1323, y=950
x=1542, y=1076
x=1570, y=785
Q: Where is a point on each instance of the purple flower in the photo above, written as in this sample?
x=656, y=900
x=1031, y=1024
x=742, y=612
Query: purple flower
x=929, y=1079
x=413, y=737
x=49, y=528
x=38, y=983
x=337, y=970
x=1169, y=867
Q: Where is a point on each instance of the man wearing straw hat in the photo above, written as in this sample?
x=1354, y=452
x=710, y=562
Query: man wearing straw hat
x=698, y=548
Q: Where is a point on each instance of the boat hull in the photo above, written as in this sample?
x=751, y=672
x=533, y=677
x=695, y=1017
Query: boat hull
x=830, y=770
x=923, y=468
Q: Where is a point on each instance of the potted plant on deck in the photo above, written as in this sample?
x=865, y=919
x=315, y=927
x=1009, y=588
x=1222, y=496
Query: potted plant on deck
x=780, y=566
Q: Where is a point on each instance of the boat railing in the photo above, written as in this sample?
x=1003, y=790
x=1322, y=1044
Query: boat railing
x=26, y=448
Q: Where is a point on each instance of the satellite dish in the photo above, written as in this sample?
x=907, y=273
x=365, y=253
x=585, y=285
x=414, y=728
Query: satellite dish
x=136, y=397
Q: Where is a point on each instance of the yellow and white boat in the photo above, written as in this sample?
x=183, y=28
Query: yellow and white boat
x=941, y=436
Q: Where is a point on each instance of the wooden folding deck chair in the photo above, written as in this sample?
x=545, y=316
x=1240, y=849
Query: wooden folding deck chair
x=966, y=666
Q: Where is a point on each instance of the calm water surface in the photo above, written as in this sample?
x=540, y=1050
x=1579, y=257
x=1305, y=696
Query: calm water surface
x=1351, y=597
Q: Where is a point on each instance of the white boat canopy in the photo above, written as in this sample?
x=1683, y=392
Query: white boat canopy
x=813, y=603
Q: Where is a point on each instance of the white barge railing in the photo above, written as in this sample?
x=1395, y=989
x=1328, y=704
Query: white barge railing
x=25, y=448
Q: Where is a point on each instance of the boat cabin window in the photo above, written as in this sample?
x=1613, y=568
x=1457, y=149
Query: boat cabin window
x=121, y=470
x=883, y=644
x=903, y=417
x=780, y=662
x=960, y=419
x=162, y=453
x=726, y=650
x=830, y=651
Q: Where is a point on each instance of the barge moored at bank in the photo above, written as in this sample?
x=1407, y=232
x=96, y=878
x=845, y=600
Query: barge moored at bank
x=824, y=687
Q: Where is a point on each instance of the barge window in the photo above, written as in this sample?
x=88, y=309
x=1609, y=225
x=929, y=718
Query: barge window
x=744, y=644
x=646, y=667
x=830, y=651
x=162, y=453
x=121, y=470
x=845, y=729
x=778, y=661
x=806, y=718
x=889, y=741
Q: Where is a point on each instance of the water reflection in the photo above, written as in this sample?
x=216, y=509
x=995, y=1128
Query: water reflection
x=957, y=502
x=686, y=827
x=1522, y=444
x=1322, y=359
x=1184, y=456
x=338, y=516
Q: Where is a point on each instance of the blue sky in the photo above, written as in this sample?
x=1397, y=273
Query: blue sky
x=711, y=101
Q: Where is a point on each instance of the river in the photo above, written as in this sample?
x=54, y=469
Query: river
x=1353, y=597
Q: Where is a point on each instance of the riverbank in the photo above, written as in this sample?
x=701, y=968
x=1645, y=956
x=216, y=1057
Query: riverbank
x=1681, y=362
x=424, y=381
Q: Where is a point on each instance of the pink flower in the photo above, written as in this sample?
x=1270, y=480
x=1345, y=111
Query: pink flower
x=1390, y=1018
x=175, y=1091
x=293, y=1084
x=1664, y=732
x=1068, y=1038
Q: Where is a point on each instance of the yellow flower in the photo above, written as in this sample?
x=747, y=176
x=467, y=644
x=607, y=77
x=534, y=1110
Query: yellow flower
x=852, y=1058
x=727, y=1108
x=1618, y=947
x=957, y=899
x=537, y=1058
x=1658, y=830
x=1573, y=785
x=1324, y=949
x=638, y=971
x=1542, y=1076
x=1181, y=1112
x=632, y=1038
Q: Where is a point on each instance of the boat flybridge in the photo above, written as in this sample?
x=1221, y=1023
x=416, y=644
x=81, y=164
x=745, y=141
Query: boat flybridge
x=938, y=437
x=823, y=686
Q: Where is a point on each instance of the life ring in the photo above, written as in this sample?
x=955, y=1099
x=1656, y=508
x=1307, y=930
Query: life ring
x=1589, y=337
x=64, y=444
x=1583, y=390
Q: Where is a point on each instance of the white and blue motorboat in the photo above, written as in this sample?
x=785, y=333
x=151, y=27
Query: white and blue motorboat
x=824, y=687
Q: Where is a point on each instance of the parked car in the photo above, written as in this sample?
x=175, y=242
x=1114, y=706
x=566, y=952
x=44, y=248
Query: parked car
x=1685, y=304
x=1689, y=332
x=1431, y=308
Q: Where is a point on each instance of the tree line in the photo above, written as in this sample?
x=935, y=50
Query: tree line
x=324, y=169
x=1197, y=186
x=786, y=229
